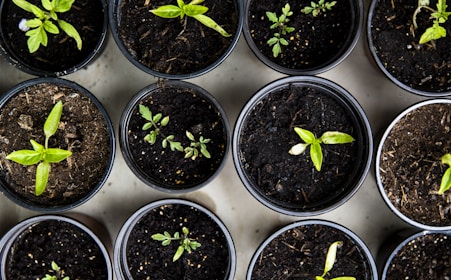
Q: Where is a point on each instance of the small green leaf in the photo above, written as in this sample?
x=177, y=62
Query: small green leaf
x=53, y=120
x=25, y=157
x=54, y=155
x=50, y=27
x=209, y=22
x=159, y=237
x=167, y=11
x=33, y=23
x=305, y=135
x=194, y=10
x=164, y=121
x=176, y=146
x=37, y=147
x=335, y=137
x=204, y=151
x=316, y=154
x=47, y=5
x=190, y=136
x=145, y=112
x=147, y=126
x=166, y=242
x=179, y=253
x=157, y=117
x=272, y=41
x=70, y=30
x=54, y=266
x=30, y=8
x=331, y=256
x=272, y=17
x=433, y=33
x=194, y=245
x=36, y=38
x=276, y=49
x=42, y=176
x=63, y=6
x=283, y=42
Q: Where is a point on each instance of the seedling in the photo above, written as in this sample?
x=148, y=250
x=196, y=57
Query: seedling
x=43, y=155
x=330, y=260
x=186, y=243
x=316, y=154
x=439, y=16
x=192, y=9
x=36, y=29
x=58, y=273
x=279, y=23
x=316, y=8
x=193, y=150
x=446, y=179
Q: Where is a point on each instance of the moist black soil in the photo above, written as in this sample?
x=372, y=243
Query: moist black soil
x=316, y=40
x=75, y=252
x=410, y=165
x=268, y=134
x=300, y=253
x=188, y=110
x=175, y=46
x=61, y=53
x=422, y=67
x=425, y=257
x=148, y=259
x=82, y=130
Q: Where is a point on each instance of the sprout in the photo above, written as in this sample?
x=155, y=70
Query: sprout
x=446, y=179
x=330, y=260
x=186, y=243
x=59, y=274
x=279, y=23
x=316, y=8
x=439, y=16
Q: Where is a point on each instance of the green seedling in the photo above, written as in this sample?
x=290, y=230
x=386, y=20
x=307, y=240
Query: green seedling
x=192, y=9
x=446, y=179
x=317, y=8
x=330, y=260
x=186, y=243
x=155, y=123
x=279, y=23
x=193, y=150
x=316, y=154
x=43, y=155
x=37, y=28
x=439, y=16
x=58, y=273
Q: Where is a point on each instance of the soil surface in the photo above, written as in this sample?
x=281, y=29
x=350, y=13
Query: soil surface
x=300, y=253
x=72, y=249
x=175, y=46
x=148, y=259
x=422, y=67
x=82, y=130
x=187, y=111
x=61, y=53
x=425, y=257
x=411, y=168
x=316, y=40
x=268, y=134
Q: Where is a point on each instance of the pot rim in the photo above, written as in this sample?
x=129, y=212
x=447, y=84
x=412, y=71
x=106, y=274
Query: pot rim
x=380, y=186
x=112, y=143
x=120, y=259
x=346, y=100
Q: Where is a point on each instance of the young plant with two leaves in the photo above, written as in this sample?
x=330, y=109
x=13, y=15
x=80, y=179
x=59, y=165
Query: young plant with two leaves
x=58, y=273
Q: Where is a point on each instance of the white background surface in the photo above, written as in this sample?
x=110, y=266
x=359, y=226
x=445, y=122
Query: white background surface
x=114, y=80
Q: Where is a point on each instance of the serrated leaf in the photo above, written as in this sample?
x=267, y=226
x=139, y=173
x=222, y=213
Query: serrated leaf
x=145, y=112
x=271, y=16
x=167, y=11
x=432, y=33
x=63, y=6
x=33, y=23
x=25, y=157
x=42, y=177
x=70, y=30
x=36, y=38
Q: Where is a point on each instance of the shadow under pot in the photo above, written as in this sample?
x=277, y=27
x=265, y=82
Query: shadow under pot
x=28, y=250
x=409, y=168
x=57, y=145
x=175, y=44
x=174, y=136
x=174, y=239
x=309, y=41
x=299, y=251
x=302, y=146
x=395, y=43
x=56, y=54
x=421, y=255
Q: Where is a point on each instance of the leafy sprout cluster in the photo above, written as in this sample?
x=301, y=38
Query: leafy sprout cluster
x=446, y=179
x=316, y=8
x=36, y=29
x=155, y=122
x=330, y=260
x=192, y=9
x=439, y=16
x=316, y=154
x=42, y=155
x=58, y=273
x=186, y=244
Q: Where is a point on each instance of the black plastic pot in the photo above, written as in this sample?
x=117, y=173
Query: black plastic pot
x=185, y=174
x=291, y=96
x=116, y=22
x=304, y=236
x=172, y=210
x=413, y=186
x=43, y=203
x=32, y=63
x=66, y=258
x=352, y=37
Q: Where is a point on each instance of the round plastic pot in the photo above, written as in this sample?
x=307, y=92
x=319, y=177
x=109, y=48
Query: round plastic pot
x=121, y=266
x=16, y=60
x=43, y=207
x=363, y=136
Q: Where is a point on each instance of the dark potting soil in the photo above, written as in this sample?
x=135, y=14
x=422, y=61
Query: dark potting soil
x=423, y=67
x=316, y=40
x=268, y=134
x=61, y=53
x=425, y=257
x=410, y=164
x=300, y=253
x=175, y=46
x=72, y=249
x=82, y=130
x=148, y=259
x=187, y=111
